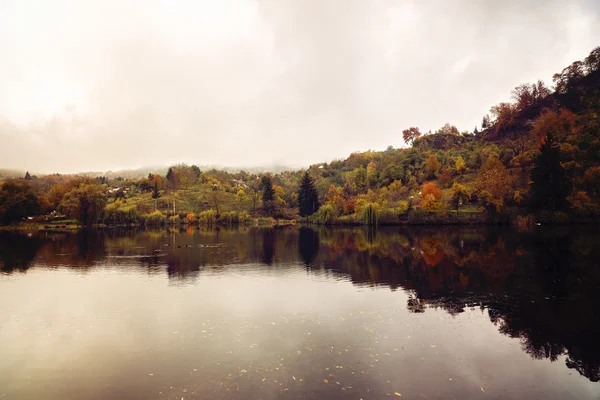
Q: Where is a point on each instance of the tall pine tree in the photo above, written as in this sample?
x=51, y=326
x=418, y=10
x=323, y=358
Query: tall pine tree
x=550, y=185
x=171, y=176
x=308, y=199
x=155, y=192
x=267, y=189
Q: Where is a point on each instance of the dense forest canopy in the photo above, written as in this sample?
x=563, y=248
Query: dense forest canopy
x=536, y=155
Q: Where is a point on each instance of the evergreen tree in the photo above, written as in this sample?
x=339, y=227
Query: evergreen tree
x=27, y=176
x=485, y=123
x=196, y=171
x=550, y=185
x=171, y=176
x=155, y=192
x=266, y=186
x=308, y=199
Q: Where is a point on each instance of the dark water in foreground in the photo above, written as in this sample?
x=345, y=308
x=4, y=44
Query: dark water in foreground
x=301, y=314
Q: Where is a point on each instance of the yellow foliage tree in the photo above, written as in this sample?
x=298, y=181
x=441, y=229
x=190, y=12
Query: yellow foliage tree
x=460, y=165
x=432, y=166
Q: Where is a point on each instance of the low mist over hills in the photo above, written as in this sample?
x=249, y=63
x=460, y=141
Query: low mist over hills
x=157, y=169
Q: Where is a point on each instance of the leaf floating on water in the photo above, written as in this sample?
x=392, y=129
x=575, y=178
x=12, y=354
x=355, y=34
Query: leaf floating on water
x=397, y=394
x=482, y=389
x=325, y=380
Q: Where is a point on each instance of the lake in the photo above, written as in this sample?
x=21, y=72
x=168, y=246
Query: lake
x=301, y=313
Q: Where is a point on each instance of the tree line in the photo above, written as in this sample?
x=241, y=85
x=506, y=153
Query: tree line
x=533, y=157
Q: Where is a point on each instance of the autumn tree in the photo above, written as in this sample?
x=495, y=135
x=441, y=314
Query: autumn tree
x=17, y=201
x=459, y=165
x=432, y=166
x=84, y=202
x=410, y=135
x=372, y=174
x=217, y=197
x=308, y=199
x=558, y=124
x=254, y=187
x=431, y=196
x=504, y=117
x=550, y=185
x=448, y=129
x=357, y=180
x=494, y=184
x=396, y=191
x=240, y=196
x=460, y=194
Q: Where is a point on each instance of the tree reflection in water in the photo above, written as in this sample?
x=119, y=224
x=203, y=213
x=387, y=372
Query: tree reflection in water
x=541, y=287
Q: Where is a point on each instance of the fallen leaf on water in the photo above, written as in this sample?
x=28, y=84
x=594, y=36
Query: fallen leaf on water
x=325, y=380
x=482, y=390
x=397, y=394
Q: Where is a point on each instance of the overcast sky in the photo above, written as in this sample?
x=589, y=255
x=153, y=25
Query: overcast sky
x=98, y=85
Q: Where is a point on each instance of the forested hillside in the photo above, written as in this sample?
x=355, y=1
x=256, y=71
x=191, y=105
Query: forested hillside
x=534, y=158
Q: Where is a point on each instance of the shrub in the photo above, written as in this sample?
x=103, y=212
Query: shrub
x=369, y=213
x=326, y=214
x=190, y=217
x=524, y=222
x=388, y=216
x=208, y=217
x=230, y=218
x=245, y=218
x=154, y=219
x=116, y=213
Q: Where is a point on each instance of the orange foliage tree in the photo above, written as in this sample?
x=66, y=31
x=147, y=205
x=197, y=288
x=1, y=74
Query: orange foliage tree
x=494, y=184
x=431, y=196
x=410, y=134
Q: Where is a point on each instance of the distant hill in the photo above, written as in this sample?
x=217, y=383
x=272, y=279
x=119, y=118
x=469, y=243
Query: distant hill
x=162, y=170
x=11, y=173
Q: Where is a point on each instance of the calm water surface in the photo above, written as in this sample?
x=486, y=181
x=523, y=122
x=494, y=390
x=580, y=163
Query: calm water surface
x=297, y=313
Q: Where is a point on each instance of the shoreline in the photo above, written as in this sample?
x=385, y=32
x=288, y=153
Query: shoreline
x=37, y=227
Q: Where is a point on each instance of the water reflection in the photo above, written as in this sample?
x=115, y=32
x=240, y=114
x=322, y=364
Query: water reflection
x=541, y=287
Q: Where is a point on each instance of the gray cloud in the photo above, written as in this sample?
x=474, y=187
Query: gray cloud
x=109, y=85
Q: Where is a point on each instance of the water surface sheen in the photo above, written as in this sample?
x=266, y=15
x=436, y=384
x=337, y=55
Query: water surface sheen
x=299, y=313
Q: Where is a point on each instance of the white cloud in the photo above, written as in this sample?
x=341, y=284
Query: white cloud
x=117, y=84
